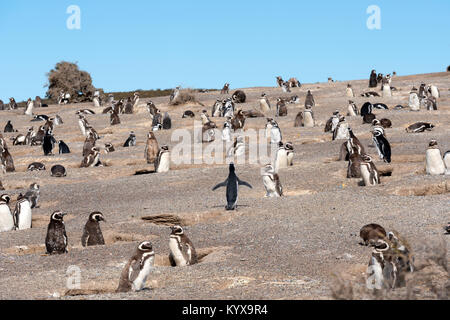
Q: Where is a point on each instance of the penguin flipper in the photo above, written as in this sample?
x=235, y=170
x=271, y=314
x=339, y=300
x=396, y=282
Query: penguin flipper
x=222, y=184
x=135, y=268
x=243, y=183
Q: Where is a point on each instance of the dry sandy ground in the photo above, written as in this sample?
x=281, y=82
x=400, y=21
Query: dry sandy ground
x=286, y=248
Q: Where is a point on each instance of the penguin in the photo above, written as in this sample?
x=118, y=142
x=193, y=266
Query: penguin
x=281, y=158
x=6, y=217
x=232, y=183
x=36, y=166
x=309, y=100
x=354, y=164
x=332, y=122
x=295, y=100
x=238, y=96
x=208, y=133
x=308, y=118
x=349, y=91
x=225, y=89
x=447, y=162
x=38, y=137
x=2, y=105
x=190, y=114
x=56, y=240
x=414, y=103
x=136, y=98
x=294, y=83
x=386, y=88
x=22, y=213
x=92, y=159
x=216, y=110
x=268, y=128
x=227, y=131
x=167, y=122
x=151, y=148
x=419, y=127
x=85, y=111
x=238, y=147
x=134, y=274
x=228, y=108
x=353, y=142
x=264, y=103
x=89, y=143
x=373, y=79
x=19, y=140
x=182, y=251
x=447, y=228
x=91, y=131
x=131, y=141
x=113, y=118
x=280, y=81
x=49, y=143
x=253, y=114
x=341, y=130
x=434, y=91
x=275, y=133
x=157, y=119
x=285, y=87
x=9, y=127
x=298, y=122
x=29, y=108
x=82, y=122
x=290, y=153
x=281, y=108
x=204, y=116
x=128, y=109
x=29, y=136
x=33, y=195
x=382, y=145
x=369, y=172
x=63, y=147
x=385, y=123
x=151, y=108
x=370, y=94
x=422, y=91
x=271, y=182
x=6, y=158
x=109, y=148
x=174, y=95
x=381, y=106
x=378, y=268
x=12, y=104
x=39, y=117
x=366, y=109
x=434, y=162
x=58, y=171
x=368, y=118
x=352, y=109
x=92, y=234
x=238, y=121
x=430, y=103
x=371, y=233
x=162, y=162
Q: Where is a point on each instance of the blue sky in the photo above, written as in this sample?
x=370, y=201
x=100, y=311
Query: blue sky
x=129, y=45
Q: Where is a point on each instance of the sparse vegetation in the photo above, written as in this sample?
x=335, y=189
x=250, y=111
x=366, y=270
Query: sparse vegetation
x=186, y=96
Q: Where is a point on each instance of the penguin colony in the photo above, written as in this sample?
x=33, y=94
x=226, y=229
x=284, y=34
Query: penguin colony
x=391, y=257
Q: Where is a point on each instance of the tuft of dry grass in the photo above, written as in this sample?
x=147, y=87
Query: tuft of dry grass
x=186, y=96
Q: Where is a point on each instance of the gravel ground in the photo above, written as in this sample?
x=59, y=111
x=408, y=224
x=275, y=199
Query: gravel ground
x=288, y=248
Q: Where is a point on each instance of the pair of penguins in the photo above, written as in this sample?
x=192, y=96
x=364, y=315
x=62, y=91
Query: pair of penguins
x=134, y=274
x=56, y=240
x=49, y=143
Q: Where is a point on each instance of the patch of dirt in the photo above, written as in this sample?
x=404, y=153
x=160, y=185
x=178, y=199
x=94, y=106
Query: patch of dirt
x=427, y=190
x=188, y=219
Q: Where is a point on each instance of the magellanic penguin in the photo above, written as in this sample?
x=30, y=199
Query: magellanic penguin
x=49, y=143
x=414, y=102
x=373, y=79
x=264, y=104
x=309, y=100
x=382, y=144
x=134, y=274
x=434, y=162
x=352, y=109
x=58, y=171
x=36, y=166
x=29, y=108
x=216, y=110
x=238, y=120
x=349, y=91
x=332, y=122
x=239, y=96
x=434, y=91
x=271, y=182
x=354, y=164
x=232, y=183
x=308, y=118
x=369, y=172
x=92, y=159
x=353, y=142
x=386, y=88
x=341, y=130
x=6, y=217
x=56, y=240
x=151, y=148
x=281, y=108
x=227, y=131
x=109, y=147
x=7, y=162
x=290, y=153
x=380, y=271
x=281, y=158
x=162, y=163
x=298, y=122
x=238, y=147
x=33, y=195
x=167, y=122
x=371, y=232
x=128, y=107
x=92, y=234
x=63, y=147
x=113, y=118
x=275, y=133
x=82, y=123
x=22, y=213
x=131, y=141
x=8, y=127
x=225, y=89
x=182, y=251
x=419, y=127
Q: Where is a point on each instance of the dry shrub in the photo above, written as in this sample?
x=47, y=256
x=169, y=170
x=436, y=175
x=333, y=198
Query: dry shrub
x=67, y=77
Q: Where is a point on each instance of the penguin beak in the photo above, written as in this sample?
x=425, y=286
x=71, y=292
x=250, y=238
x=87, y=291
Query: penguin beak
x=64, y=213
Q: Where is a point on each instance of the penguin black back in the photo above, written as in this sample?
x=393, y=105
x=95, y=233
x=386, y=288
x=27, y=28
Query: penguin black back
x=167, y=122
x=58, y=171
x=63, y=147
x=92, y=234
x=56, y=240
x=49, y=142
x=232, y=183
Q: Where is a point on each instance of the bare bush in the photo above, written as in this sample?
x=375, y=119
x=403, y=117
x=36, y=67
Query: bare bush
x=185, y=96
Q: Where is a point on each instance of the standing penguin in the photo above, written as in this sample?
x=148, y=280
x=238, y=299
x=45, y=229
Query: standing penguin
x=182, y=251
x=232, y=183
x=92, y=234
x=271, y=182
x=264, y=103
x=290, y=153
x=434, y=163
x=6, y=217
x=386, y=88
x=167, y=122
x=56, y=239
x=63, y=147
x=227, y=131
x=281, y=108
x=352, y=109
x=113, y=118
x=369, y=171
x=275, y=133
x=22, y=213
x=135, y=273
x=29, y=108
x=382, y=144
x=309, y=100
x=151, y=148
x=7, y=162
x=49, y=143
x=9, y=127
x=131, y=141
x=281, y=158
x=308, y=118
x=373, y=79
x=162, y=163
x=92, y=159
x=33, y=195
x=414, y=102
x=341, y=130
x=349, y=91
